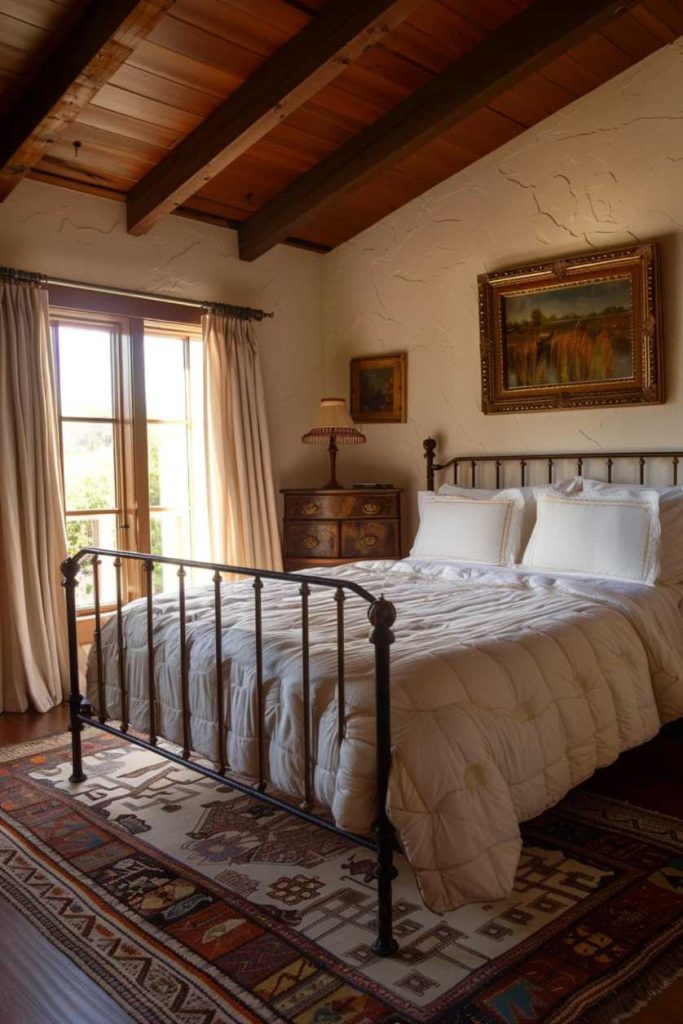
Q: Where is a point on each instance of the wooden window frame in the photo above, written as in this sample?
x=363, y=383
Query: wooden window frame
x=132, y=318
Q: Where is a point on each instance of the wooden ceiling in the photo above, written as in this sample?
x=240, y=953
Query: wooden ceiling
x=292, y=120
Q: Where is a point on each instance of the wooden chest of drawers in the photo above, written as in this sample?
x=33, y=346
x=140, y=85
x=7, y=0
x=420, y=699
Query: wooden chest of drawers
x=333, y=527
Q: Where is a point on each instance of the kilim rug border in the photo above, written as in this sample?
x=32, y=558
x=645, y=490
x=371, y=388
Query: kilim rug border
x=63, y=864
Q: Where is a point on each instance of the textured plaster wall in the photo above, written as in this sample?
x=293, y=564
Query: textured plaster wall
x=71, y=235
x=604, y=172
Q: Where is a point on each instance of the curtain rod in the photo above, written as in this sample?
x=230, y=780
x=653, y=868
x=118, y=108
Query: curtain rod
x=243, y=312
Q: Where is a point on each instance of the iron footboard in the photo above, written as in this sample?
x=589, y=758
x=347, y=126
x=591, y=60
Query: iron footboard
x=381, y=614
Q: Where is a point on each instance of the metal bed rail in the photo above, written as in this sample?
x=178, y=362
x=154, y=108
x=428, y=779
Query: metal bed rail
x=472, y=462
x=381, y=614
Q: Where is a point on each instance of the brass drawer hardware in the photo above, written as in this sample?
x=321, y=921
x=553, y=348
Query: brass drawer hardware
x=371, y=508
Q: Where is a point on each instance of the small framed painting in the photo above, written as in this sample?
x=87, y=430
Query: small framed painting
x=576, y=332
x=378, y=389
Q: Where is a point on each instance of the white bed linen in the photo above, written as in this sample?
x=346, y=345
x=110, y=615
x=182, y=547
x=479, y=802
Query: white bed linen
x=508, y=688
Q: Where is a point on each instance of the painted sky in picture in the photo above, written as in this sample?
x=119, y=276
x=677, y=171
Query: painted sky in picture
x=570, y=300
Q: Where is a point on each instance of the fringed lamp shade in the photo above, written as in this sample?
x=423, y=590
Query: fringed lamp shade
x=334, y=427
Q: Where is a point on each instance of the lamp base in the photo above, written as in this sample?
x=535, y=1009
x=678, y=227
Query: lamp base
x=333, y=484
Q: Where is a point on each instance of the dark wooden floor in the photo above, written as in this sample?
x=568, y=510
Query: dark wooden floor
x=38, y=984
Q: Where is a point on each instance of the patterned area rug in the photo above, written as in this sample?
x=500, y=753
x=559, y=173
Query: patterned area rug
x=190, y=903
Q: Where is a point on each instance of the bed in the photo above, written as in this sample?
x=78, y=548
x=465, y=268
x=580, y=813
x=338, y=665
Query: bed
x=508, y=686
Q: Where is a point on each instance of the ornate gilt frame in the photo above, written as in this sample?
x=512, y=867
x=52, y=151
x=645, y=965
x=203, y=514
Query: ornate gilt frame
x=645, y=386
x=396, y=363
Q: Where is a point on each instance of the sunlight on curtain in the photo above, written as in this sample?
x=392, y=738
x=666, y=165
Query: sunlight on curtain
x=241, y=498
x=33, y=654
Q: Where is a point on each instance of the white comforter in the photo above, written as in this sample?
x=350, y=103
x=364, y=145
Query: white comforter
x=508, y=688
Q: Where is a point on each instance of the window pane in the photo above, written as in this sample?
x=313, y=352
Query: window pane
x=164, y=377
x=167, y=464
x=170, y=536
x=89, y=478
x=93, y=532
x=85, y=371
x=200, y=521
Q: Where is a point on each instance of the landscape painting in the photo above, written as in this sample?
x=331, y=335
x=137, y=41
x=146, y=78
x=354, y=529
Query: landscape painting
x=576, y=334
x=378, y=389
x=572, y=332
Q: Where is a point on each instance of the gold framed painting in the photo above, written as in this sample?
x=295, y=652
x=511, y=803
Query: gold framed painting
x=378, y=389
x=572, y=333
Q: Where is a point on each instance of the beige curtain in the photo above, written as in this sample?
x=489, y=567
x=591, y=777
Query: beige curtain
x=33, y=653
x=241, y=498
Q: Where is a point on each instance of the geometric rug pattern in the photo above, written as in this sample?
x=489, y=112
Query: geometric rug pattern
x=190, y=902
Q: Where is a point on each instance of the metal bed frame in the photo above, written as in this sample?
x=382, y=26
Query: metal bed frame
x=381, y=614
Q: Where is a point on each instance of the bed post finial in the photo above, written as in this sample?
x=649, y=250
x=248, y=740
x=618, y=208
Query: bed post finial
x=429, y=446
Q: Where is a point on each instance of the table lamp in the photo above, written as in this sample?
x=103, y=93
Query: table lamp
x=334, y=427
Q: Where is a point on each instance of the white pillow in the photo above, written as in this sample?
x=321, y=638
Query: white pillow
x=571, y=485
x=671, y=520
x=615, y=537
x=469, y=530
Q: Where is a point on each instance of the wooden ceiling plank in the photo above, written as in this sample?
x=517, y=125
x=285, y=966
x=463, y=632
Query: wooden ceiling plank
x=521, y=46
x=313, y=57
x=97, y=45
x=669, y=12
x=126, y=126
x=632, y=37
x=654, y=24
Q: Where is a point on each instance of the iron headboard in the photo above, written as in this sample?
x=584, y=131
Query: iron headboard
x=550, y=458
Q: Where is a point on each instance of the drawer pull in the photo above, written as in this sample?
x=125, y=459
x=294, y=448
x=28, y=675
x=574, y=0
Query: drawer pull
x=368, y=541
x=310, y=542
x=309, y=509
x=371, y=508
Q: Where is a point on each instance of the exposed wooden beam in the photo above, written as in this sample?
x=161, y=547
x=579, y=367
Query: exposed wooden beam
x=342, y=31
x=521, y=46
x=101, y=39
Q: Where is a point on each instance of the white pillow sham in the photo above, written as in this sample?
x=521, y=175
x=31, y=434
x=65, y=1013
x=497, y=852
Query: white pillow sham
x=469, y=530
x=571, y=485
x=671, y=520
x=615, y=537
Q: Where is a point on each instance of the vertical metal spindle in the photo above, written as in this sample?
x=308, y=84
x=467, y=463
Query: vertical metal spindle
x=675, y=470
x=69, y=582
x=579, y=466
x=455, y=472
x=610, y=463
x=261, y=709
x=222, y=731
x=340, y=597
x=184, y=684
x=550, y=471
x=522, y=464
x=642, y=469
x=123, y=688
x=382, y=615
x=148, y=567
x=498, y=465
x=101, y=692
x=306, y=692
x=473, y=472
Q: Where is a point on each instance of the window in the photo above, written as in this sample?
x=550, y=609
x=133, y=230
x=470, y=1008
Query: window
x=175, y=449
x=131, y=420
x=87, y=357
